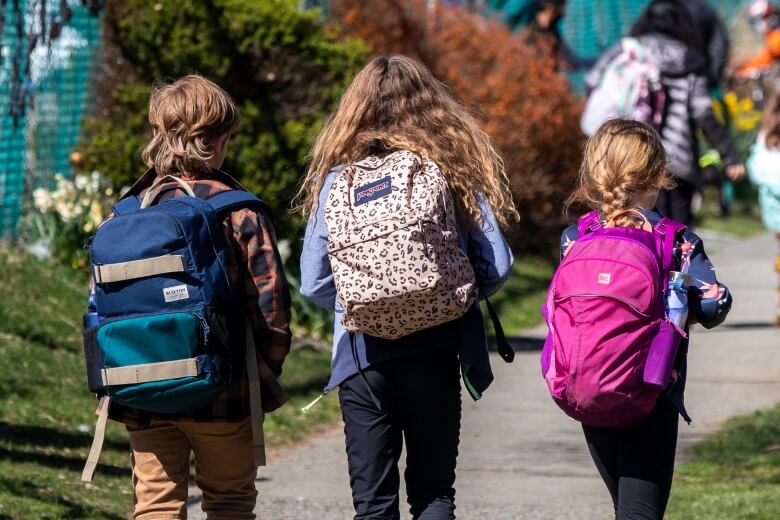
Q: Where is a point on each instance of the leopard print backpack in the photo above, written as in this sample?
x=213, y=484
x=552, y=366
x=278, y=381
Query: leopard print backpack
x=393, y=247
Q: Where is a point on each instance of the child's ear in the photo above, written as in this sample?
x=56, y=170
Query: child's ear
x=219, y=143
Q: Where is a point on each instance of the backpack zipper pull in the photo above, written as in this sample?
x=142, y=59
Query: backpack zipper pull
x=311, y=405
x=424, y=240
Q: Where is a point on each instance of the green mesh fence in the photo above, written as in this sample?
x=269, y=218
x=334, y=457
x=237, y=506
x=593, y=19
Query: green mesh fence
x=12, y=134
x=36, y=146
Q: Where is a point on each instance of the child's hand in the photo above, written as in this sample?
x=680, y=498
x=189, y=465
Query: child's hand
x=735, y=172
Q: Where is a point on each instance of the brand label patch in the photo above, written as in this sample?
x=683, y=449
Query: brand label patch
x=373, y=191
x=175, y=293
x=605, y=278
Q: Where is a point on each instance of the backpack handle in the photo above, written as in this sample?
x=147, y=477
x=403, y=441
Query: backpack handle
x=591, y=221
x=148, y=199
x=646, y=225
x=588, y=223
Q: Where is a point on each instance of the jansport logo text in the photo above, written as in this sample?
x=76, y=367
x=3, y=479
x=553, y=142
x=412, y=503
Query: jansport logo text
x=373, y=191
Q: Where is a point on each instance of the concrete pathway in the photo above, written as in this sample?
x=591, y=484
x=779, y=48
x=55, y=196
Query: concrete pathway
x=521, y=458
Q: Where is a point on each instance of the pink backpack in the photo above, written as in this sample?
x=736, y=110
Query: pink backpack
x=605, y=307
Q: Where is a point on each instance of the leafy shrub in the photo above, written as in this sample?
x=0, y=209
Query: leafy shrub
x=530, y=111
x=282, y=66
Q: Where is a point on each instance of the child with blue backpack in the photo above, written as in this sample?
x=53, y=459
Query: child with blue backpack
x=403, y=193
x=764, y=168
x=611, y=321
x=193, y=313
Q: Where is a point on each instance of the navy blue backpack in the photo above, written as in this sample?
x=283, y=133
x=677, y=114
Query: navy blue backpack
x=165, y=305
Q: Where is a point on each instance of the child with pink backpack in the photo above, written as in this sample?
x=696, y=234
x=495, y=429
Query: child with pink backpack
x=618, y=309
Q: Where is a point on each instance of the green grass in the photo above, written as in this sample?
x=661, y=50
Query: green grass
x=741, y=225
x=519, y=300
x=47, y=413
x=744, y=219
x=734, y=475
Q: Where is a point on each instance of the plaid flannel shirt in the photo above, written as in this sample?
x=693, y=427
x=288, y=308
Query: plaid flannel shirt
x=256, y=269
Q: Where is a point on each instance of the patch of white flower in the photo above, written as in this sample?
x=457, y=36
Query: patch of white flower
x=81, y=201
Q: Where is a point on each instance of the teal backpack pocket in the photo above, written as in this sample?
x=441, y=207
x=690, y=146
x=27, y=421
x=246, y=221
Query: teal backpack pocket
x=160, y=362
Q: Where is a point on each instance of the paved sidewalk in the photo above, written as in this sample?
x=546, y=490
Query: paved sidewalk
x=523, y=458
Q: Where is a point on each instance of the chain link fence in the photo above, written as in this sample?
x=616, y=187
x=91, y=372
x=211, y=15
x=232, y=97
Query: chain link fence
x=48, y=55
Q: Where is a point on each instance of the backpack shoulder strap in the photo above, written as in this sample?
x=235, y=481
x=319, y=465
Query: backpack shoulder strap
x=126, y=205
x=588, y=223
x=667, y=230
x=234, y=199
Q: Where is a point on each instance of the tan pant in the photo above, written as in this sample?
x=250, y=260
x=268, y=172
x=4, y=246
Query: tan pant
x=224, y=469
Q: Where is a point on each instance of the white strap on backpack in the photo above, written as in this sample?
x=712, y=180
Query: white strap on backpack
x=97, y=442
x=257, y=416
x=148, y=199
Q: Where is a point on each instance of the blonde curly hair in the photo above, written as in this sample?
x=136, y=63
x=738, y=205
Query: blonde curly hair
x=396, y=102
x=186, y=116
x=623, y=162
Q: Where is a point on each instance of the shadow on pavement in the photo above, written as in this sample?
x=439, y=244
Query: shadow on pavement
x=519, y=344
x=749, y=325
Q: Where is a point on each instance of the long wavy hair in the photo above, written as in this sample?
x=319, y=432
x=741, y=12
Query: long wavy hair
x=395, y=103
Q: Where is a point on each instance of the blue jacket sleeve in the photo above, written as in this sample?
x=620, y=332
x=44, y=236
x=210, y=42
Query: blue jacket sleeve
x=316, y=277
x=709, y=301
x=489, y=253
x=568, y=237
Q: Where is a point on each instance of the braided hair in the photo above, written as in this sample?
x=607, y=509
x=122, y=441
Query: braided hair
x=623, y=162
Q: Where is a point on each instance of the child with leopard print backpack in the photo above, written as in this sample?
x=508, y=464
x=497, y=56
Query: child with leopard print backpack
x=405, y=195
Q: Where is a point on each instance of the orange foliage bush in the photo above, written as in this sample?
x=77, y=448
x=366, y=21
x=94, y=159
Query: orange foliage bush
x=527, y=105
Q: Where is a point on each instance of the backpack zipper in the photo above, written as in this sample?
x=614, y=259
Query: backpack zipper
x=621, y=300
x=424, y=240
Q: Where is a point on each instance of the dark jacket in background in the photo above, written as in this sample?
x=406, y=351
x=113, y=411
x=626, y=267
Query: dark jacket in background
x=714, y=38
x=688, y=104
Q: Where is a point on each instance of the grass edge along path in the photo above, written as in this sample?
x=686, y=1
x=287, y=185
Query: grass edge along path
x=519, y=300
x=734, y=474
x=47, y=414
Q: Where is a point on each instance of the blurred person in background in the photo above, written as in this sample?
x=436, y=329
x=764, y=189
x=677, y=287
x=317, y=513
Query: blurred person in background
x=713, y=38
x=715, y=45
x=764, y=163
x=540, y=21
x=666, y=29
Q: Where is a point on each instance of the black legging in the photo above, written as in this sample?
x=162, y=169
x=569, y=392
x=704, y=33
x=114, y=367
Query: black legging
x=637, y=464
x=419, y=395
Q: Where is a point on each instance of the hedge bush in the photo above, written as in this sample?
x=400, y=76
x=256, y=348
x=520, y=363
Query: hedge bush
x=283, y=67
